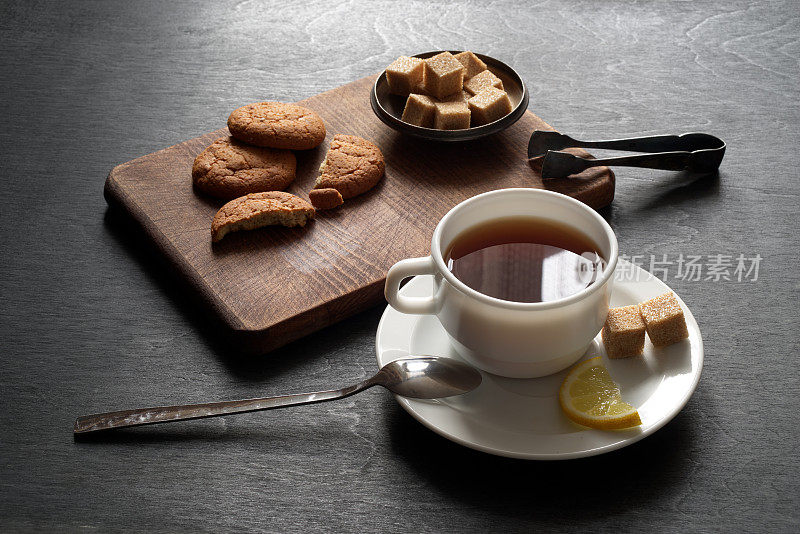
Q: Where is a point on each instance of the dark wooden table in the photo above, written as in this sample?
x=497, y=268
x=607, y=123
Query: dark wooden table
x=91, y=319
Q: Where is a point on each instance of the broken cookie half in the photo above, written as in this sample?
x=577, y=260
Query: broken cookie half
x=352, y=166
x=260, y=209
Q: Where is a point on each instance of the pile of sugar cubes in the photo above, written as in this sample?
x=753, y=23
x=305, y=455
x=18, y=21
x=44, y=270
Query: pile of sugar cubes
x=662, y=318
x=448, y=92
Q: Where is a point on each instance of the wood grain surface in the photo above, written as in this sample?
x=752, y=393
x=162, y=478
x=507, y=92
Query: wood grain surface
x=91, y=318
x=274, y=285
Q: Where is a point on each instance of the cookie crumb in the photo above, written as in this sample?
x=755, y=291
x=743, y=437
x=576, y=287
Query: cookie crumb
x=325, y=199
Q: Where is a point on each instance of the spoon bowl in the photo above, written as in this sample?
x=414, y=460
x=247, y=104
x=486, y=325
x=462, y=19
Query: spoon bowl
x=428, y=377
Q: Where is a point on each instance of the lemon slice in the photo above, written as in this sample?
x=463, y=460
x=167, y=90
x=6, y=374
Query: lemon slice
x=590, y=397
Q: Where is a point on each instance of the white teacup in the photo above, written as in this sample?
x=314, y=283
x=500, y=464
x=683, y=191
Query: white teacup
x=513, y=339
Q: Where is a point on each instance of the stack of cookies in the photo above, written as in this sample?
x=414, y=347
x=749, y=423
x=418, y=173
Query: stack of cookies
x=448, y=92
x=256, y=163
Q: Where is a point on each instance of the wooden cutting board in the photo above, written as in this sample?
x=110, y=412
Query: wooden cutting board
x=274, y=285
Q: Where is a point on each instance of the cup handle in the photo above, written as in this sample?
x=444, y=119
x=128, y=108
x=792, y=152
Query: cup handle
x=402, y=270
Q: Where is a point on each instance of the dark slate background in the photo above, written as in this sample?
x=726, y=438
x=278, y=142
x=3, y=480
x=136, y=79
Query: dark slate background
x=90, y=319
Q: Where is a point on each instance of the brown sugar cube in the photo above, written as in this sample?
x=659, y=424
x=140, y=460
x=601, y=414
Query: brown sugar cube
x=460, y=96
x=404, y=74
x=623, y=332
x=489, y=105
x=471, y=62
x=419, y=88
x=451, y=116
x=419, y=110
x=481, y=81
x=663, y=318
x=444, y=75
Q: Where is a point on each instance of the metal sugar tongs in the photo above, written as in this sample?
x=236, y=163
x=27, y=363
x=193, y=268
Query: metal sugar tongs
x=697, y=152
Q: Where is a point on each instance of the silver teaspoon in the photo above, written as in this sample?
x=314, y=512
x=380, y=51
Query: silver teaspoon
x=415, y=378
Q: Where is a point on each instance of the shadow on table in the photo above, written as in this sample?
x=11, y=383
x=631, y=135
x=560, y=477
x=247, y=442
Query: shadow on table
x=186, y=302
x=181, y=432
x=597, y=486
x=683, y=186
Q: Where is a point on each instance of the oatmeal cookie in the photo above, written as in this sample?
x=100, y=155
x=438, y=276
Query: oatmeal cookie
x=229, y=168
x=352, y=166
x=260, y=209
x=277, y=125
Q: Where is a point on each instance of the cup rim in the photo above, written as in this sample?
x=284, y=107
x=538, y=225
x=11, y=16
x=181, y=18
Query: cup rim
x=436, y=253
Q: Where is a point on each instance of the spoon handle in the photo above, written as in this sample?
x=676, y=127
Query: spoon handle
x=165, y=414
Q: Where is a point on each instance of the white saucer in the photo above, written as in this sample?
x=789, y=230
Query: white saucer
x=521, y=418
